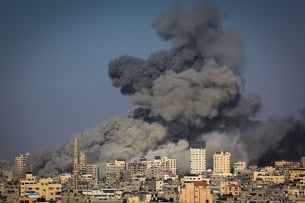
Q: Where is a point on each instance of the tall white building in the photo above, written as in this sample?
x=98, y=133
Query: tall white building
x=198, y=158
x=20, y=163
x=222, y=163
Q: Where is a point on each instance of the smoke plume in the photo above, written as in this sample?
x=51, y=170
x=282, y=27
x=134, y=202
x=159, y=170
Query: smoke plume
x=193, y=91
x=289, y=144
x=120, y=138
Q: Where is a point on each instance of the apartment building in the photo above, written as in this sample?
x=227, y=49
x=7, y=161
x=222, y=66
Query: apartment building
x=239, y=166
x=195, y=192
x=198, y=158
x=20, y=163
x=35, y=187
x=222, y=163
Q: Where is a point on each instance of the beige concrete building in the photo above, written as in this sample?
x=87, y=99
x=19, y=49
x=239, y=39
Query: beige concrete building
x=274, y=179
x=222, y=163
x=287, y=164
x=88, y=173
x=296, y=173
x=198, y=158
x=65, y=177
x=268, y=175
x=114, y=169
x=35, y=187
x=195, y=192
x=20, y=163
x=229, y=188
x=239, y=166
x=136, y=169
x=194, y=178
x=160, y=167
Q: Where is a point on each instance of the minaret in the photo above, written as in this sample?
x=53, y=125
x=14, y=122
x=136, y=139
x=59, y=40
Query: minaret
x=75, y=170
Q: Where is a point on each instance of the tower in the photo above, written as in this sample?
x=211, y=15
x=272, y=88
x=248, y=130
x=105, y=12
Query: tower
x=75, y=162
x=198, y=158
x=20, y=163
x=222, y=162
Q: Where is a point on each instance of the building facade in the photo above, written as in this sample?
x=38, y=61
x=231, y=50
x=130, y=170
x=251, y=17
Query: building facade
x=35, y=187
x=195, y=192
x=115, y=169
x=222, y=163
x=20, y=163
x=239, y=166
x=198, y=158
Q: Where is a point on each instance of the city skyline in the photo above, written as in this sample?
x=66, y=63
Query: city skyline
x=55, y=56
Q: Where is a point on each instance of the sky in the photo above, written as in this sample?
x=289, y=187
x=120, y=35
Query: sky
x=54, y=58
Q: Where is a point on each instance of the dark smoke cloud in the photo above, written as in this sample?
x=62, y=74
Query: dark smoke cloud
x=201, y=27
x=193, y=91
x=191, y=97
x=196, y=33
x=288, y=144
x=196, y=82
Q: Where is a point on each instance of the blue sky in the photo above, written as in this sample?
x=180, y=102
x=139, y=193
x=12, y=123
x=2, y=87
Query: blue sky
x=54, y=59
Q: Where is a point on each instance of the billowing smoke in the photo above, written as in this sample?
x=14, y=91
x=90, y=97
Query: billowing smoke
x=173, y=150
x=195, y=82
x=197, y=35
x=120, y=138
x=230, y=142
x=196, y=86
x=193, y=91
x=289, y=144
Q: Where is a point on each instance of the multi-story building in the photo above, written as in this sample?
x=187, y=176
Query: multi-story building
x=239, y=166
x=35, y=187
x=20, y=163
x=115, y=169
x=159, y=167
x=286, y=164
x=271, y=179
x=222, y=163
x=296, y=173
x=194, y=178
x=198, y=158
x=170, y=164
x=89, y=173
x=193, y=192
x=136, y=169
x=229, y=188
x=64, y=177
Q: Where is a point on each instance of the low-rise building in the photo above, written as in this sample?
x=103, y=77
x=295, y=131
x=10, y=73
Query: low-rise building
x=229, y=188
x=33, y=186
x=195, y=192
